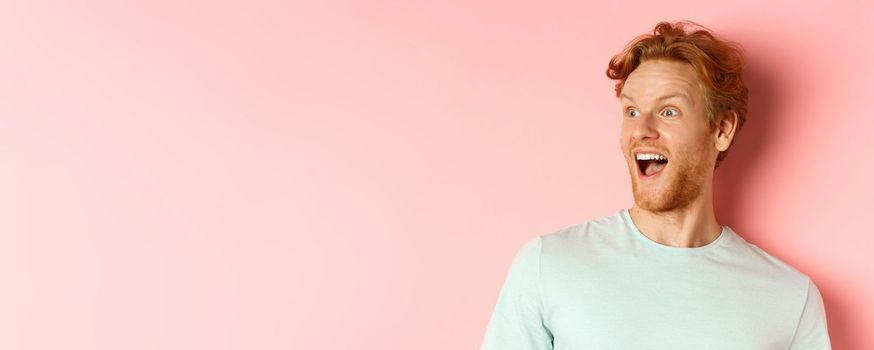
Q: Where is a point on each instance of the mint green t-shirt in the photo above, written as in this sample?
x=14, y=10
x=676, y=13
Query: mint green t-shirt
x=602, y=284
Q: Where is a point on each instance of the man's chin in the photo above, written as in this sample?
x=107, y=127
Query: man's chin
x=659, y=199
x=652, y=207
x=649, y=204
x=678, y=190
x=654, y=198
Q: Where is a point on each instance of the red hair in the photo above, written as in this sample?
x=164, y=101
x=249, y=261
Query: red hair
x=719, y=64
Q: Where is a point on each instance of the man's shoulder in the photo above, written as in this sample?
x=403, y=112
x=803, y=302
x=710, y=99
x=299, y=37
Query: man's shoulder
x=754, y=260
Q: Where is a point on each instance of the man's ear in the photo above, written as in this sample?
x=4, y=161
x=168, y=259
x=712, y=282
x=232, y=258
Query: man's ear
x=725, y=129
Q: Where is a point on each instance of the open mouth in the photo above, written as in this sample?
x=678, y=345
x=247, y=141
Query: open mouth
x=650, y=164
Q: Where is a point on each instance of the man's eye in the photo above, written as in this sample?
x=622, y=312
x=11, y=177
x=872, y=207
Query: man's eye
x=633, y=113
x=671, y=112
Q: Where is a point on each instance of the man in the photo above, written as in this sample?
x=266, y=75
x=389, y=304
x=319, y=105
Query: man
x=663, y=274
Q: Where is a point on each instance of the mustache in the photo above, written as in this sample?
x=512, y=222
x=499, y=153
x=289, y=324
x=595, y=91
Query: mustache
x=656, y=148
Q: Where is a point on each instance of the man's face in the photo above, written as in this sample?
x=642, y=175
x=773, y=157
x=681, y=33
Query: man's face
x=664, y=114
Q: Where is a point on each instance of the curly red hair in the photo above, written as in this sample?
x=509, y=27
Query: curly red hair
x=719, y=64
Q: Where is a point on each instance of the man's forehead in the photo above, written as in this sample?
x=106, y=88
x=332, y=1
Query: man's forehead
x=661, y=80
x=660, y=95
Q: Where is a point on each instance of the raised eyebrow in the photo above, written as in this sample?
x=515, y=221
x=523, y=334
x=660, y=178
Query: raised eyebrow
x=683, y=96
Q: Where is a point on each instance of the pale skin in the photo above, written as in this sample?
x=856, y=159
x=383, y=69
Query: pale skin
x=663, y=110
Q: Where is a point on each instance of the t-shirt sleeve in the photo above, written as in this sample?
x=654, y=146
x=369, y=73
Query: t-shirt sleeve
x=812, y=330
x=517, y=320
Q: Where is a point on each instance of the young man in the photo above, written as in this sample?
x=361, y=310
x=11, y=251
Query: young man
x=663, y=274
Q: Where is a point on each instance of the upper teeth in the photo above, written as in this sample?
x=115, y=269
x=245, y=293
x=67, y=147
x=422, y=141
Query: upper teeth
x=650, y=156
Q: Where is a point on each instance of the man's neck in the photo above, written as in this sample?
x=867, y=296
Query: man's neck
x=689, y=227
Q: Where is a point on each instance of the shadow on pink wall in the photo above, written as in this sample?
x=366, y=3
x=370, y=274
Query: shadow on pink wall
x=766, y=101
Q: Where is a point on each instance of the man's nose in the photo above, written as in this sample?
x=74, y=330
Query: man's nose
x=645, y=127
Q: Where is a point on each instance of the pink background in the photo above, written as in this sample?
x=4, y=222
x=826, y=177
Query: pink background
x=358, y=175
